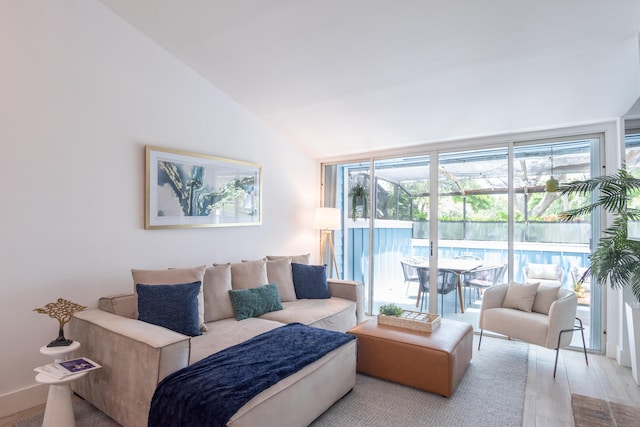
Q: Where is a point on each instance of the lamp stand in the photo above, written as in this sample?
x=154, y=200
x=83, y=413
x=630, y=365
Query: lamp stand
x=326, y=235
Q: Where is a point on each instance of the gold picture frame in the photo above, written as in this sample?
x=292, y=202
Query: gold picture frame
x=190, y=190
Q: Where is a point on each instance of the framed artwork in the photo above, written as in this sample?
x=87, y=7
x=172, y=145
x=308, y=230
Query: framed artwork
x=189, y=190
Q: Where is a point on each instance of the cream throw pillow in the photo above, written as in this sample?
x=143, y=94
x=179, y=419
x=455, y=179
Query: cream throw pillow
x=216, y=287
x=545, y=296
x=298, y=259
x=520, y=296
x=249, y=274
x=279, y=272
x=174, y=276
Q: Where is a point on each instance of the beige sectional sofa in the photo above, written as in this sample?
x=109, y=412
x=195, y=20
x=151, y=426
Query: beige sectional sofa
x=136, y=355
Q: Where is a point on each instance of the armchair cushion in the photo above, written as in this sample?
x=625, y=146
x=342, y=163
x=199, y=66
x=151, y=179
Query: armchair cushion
x=520, y=296
x=545, y=296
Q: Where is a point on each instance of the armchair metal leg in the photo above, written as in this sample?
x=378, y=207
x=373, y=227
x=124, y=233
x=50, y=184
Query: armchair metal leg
x=584, y=346
x=480, y=340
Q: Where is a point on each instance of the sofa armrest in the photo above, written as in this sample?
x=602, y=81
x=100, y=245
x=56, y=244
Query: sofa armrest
x=562, y=315
x=134, y=356
x=125, y=305
x=492, y=298
x=349, y=290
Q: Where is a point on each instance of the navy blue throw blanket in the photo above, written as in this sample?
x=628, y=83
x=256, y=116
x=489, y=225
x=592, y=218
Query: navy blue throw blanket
x=211, y=390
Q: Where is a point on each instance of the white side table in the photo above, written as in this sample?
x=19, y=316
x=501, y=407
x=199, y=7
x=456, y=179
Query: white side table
x=59, y=410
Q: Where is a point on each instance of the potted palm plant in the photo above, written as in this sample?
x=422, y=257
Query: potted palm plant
x=616, y=259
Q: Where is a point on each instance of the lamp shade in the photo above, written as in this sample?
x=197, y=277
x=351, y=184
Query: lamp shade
x=327, y=219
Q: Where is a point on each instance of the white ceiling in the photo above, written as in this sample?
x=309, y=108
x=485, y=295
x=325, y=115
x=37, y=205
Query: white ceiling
x=349, y=76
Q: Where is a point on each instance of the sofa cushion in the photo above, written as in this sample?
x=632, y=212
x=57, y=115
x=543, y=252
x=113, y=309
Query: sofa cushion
x=249, y=274
x=174, y=307
x=255, y=301
x=310, y=281
x=520, y=296
x=545, y=296
x=335, y=314
x=216, y=287
x=529, y=327
x=174, y=276
x=300, y=259
x=226, y=333
x=279, y=272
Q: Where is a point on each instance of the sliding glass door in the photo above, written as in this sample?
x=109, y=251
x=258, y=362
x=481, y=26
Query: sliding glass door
x=496, y=220
x=400, y=224
x=545, y=249
x=473, y=235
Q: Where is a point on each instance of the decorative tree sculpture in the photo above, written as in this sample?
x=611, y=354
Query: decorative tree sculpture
x=62, y=310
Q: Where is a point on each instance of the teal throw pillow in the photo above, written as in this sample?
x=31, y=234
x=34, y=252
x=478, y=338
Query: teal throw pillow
x=254, y=302
x=174, y=307
x=310, y=281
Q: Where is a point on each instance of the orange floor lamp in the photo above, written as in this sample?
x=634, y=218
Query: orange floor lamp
x=327, y=220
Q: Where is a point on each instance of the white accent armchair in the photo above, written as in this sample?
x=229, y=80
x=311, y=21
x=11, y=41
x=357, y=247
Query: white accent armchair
x=540, y=315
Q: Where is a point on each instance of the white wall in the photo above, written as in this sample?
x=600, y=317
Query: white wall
x=81, y=93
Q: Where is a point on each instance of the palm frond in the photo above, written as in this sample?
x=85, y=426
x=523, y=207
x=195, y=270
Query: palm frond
x=616, y=259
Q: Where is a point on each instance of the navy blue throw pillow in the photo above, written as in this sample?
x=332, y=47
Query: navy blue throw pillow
x=174, y=307
x=310, y=281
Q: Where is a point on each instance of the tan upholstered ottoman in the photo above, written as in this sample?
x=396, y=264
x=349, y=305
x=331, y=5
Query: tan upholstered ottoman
x=433, y=362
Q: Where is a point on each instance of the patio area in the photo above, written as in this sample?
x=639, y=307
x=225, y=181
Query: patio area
x=406, y=296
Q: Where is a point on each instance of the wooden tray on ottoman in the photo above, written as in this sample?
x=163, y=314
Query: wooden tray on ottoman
x=414, y=320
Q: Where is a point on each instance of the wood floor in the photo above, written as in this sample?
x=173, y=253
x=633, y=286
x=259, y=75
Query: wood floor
x=547, y=400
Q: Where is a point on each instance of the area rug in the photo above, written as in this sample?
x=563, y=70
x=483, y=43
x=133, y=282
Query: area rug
x=492, y=389
x=589, y=411
x=86, y=415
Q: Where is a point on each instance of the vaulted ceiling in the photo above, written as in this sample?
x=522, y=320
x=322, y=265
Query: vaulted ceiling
x=349, y=76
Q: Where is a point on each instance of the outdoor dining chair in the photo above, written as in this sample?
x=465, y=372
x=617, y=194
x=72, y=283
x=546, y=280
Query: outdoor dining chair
x=447, y=282
x=545, y=274
x=485, y=277
x=410, y=272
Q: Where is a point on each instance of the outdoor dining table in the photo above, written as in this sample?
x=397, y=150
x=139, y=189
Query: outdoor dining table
x=460, y=267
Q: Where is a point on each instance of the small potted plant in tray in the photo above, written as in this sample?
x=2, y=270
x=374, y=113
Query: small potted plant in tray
x=392, y=315
x=391, y=310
